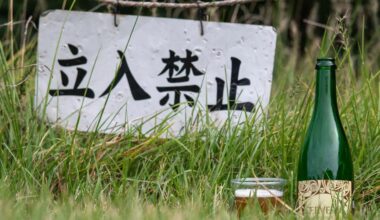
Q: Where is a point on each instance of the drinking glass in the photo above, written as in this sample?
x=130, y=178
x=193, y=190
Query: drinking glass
x=268, y=192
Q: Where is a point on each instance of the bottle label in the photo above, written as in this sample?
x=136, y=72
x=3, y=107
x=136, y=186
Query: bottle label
x=324, y=197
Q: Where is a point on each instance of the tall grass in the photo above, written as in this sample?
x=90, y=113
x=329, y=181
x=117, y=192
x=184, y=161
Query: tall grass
x=48, y=172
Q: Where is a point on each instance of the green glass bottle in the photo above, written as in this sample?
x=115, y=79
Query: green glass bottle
x=325, y=170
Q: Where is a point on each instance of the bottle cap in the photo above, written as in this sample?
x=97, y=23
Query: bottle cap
x=325, y=62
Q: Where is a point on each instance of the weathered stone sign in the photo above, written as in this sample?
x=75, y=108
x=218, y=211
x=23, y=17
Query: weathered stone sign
x=149, y=71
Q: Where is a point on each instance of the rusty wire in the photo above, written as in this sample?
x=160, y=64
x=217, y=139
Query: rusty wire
x=199, y=4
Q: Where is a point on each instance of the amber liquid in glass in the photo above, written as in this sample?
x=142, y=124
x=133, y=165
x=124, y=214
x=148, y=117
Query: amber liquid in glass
x=267, y=198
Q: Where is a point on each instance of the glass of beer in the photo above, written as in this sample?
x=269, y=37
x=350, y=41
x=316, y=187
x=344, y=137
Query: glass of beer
x=267, y=192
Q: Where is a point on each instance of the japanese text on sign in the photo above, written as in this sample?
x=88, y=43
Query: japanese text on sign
x=148, y=69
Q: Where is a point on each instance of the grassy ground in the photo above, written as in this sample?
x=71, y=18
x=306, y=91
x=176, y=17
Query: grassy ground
x=50, y=173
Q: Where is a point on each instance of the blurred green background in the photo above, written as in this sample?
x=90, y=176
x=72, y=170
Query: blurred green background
x=297, y=21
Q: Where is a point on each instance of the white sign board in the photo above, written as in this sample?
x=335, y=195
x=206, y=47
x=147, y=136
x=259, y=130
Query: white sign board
x=149, y=71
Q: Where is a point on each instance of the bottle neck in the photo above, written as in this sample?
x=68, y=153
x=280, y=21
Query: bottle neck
x=325, y=93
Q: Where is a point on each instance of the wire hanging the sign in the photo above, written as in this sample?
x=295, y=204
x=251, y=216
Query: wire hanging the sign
x=201, y=15
x=116, y=10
